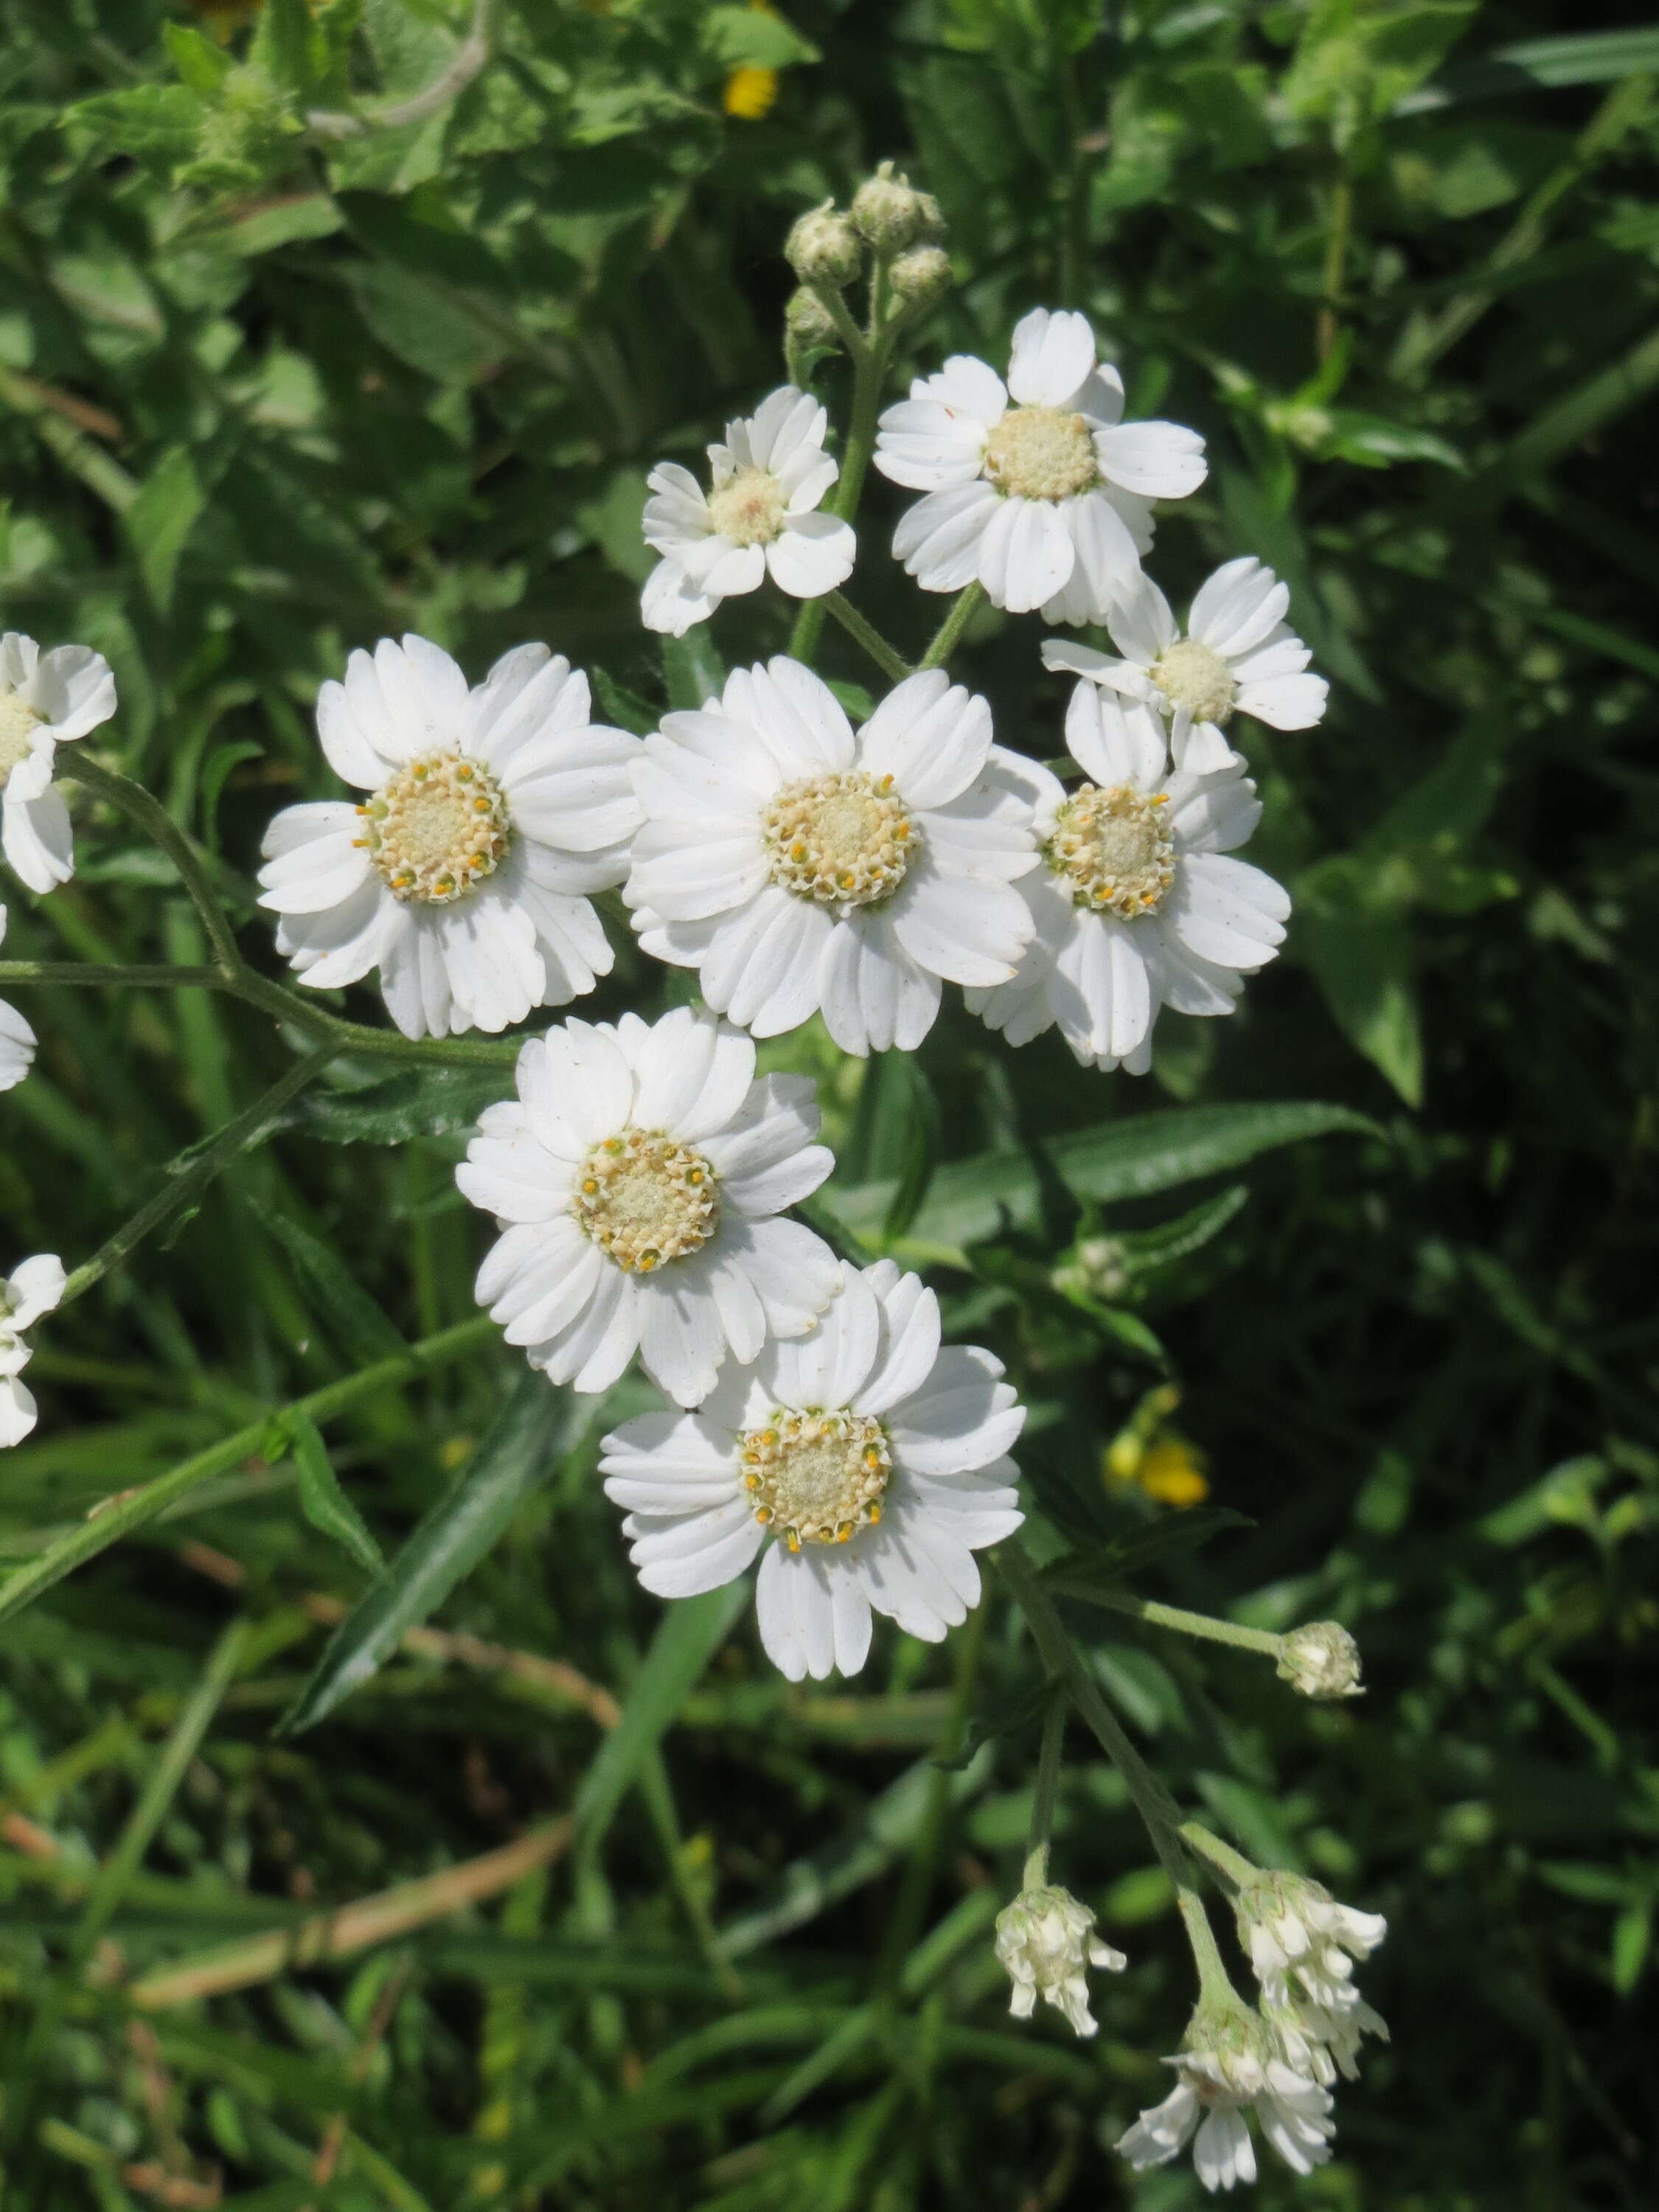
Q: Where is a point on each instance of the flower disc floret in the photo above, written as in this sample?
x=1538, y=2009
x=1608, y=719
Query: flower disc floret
x=644, y=1200
x=843, y=840
x=1191, y=675
x=437, y=829
x=18, y=723
x=1041, y=452
x=815, y=1478
x=749, y=507
x=1113, y=850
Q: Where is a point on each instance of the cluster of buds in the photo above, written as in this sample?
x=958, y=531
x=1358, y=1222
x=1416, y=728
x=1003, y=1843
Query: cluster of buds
x=830, y=247
x=1229, y=2066
x=1302, y=1944
x=1045, y=1941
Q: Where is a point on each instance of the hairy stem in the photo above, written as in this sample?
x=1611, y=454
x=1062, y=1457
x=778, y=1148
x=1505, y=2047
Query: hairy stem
x=949, y=633
x=1043, y=1793
x=1203, y=1625
x=139, y=806
x=1236, y=1867
x=869, y=369
x=889, y=661
x=182, y=1187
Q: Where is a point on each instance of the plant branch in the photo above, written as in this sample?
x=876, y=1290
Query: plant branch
x=869, y=369
x=1045, y=1790
x=153, y=818
x=1157, y=1615
x=155, y=975
x=889, y=661
x=949, y=633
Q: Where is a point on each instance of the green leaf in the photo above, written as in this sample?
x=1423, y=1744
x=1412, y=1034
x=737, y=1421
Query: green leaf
x=1084, y=1574
x=754, y=38
x=1362, y=963
x=428, y=1102
x=624, y=709
x=520, y=1453
x=288, y=47
x=201, y=65
x=1135, y=1158
x=689, y=1633
x=156, y=124
x=160, y=521
x=692, y=669
x=355, y=1323
x=427, y=325
x=323, y=1502
x=1173, y=1240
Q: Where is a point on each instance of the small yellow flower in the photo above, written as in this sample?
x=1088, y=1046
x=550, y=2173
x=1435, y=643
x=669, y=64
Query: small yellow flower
x=1156, y=1459
x=750, y=92
x=1173, y=1474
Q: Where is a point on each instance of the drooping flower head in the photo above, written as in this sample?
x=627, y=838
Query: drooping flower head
x=801, y=866
x=1137, y=905
x=47, y=699
x=1045, y=1941
x=866, y=1463
x=33, y=1289
x=1037, y=488
x=637, y=1177
x=16, y=1037
x=1302, y=1945
x=1238, y=655
x=1320, y=1660
x=758, y=517
x=1230, y=2067
x=463, y=876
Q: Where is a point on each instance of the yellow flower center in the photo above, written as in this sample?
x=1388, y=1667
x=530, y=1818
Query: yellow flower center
x=1112, y=850
x=749, y=507
x=18, y=723
x=437, y=829
x=1041, y=452
x=843, y=839
x=644, y=1200
x=1190, y=675
x=815, y=1478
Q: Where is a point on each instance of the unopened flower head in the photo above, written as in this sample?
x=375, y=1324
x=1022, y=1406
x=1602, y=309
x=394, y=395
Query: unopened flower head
x=465, y=874
x=863, y=1464
x=1045, y=1941
x=1320, y=1660
x=1296, y=1932
x=760, y=517
x=33, y=1289
x=892, y=216
x=802, y=867
x=824, y=249
x=1139, y=904
x=1037, y=489
x=637, y=1178
x=1097, y=1267
x=809, y=323
x=16, y=1037
x=1238, y=655
x=1230, y=2067
x=922, y=275
x=47, y=699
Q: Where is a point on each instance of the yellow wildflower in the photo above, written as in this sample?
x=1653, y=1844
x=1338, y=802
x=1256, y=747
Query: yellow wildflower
x=750, y=92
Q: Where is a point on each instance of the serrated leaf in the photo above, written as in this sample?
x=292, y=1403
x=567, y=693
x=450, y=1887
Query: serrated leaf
x=1135, y=1158
x=431, y=1102
x=1174, y=1240
x=518, y=1454
x=322, y=1500
x=355, y=1324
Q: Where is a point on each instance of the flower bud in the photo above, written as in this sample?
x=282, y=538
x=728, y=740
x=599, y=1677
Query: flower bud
x=808, y=323
x=1320, y=1660
x=824, y=249
x=922, y=275
x=893, y=216
x=1045, y=1941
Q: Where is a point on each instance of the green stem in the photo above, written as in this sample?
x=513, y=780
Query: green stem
x=155, y=975
x=1336, y=255
x=1237, y=1868
x=891, y=662
x=182, y=1187
x=1152, y=1801
x=1204, y=1625
x=153, y=818
x=1044, y=1792
x=834, y=306
x=869, y=369
x=949, y=633
x=129, y=1510
x=286, y=1005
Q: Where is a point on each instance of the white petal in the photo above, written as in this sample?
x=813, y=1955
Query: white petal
x=18, y=1412
x=1142, y=627
x=1113, y=742
x=1285, y=702
x=793, y=1270
x=693, y=1074
x=874, y=995
x=1226, y=911
x=938, y=539
x=813, y=553
x=72, y=690
x=1053, y=355
x=967, y=930
x=930, y=736
x=39, y=844
x=671, y=603
x=1158, y=461
x=826, y=1367
x=909, y=1343
x=16, y=1047
x=963, y=1418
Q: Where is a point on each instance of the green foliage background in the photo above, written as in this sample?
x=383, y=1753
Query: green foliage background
x=270, y=386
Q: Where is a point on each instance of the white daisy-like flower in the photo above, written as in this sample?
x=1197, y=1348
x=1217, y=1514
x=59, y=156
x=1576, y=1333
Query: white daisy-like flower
x=1138, y=905
x=16, y=1037
x=1238, y=655
x=758, y=517
x=47, y=699
x=799, y=866
x=1045, y=1941
x=1037, y=489
x=464, y=875
x=636, y=1178
x=868, y=1463
x=1230, y=2067
x=33, y=1289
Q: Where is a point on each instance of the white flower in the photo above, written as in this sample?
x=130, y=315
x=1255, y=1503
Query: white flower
x=1137, y=906
x=1045, y=1941
x=1320, y=1660
x=33, y=1290
x=635, y=1177
x=1045, y=502
x=1302, y=1945
x=1229, y=2068
x=1238, y=656
x=758, y=517
x=16, y=1037
x=1323, y=2040
x=799, y=866
x=464, y=877
x=872, y=1459
x=46, y=699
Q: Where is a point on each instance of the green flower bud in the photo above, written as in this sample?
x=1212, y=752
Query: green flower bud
x=889, y=213
x=922, y=275
x=824, y=249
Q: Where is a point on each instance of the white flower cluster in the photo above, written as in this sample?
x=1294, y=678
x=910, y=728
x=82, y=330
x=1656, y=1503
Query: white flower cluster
x=1045, y=1942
